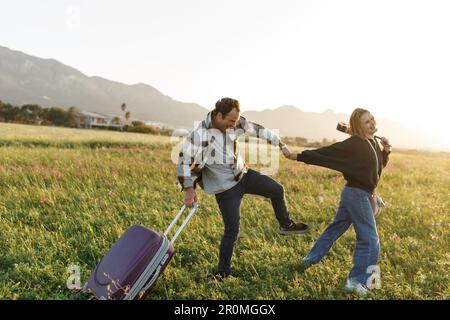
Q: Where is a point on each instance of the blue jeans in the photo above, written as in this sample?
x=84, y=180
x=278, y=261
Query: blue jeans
x=229, y=203
x=354, y=208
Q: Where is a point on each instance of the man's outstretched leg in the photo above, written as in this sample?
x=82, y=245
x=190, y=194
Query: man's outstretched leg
x=259, y=184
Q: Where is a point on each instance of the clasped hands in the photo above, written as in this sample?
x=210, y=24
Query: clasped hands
x=287, y=153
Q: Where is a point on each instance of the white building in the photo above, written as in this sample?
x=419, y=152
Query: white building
x=97, y=120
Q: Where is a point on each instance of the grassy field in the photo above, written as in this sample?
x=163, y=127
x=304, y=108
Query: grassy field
x=67, y=195
x=37, y=136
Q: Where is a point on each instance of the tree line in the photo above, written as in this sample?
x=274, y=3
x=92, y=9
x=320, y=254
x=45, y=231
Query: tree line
x=72, y=118
x=35, y=114
x=303, y=142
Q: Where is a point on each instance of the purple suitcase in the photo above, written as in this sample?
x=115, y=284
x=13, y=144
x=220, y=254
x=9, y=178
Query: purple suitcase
x=133, y=264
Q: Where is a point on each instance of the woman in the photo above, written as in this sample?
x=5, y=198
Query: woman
x=361, y=161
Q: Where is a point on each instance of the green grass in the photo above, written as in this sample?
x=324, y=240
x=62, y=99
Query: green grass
x=65, y=198
x=39, y=136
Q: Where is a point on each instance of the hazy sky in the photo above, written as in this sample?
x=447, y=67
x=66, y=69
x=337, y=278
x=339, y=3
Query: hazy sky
x=392, y=57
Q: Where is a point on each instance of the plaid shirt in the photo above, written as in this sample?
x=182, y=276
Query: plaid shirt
x=210, y=158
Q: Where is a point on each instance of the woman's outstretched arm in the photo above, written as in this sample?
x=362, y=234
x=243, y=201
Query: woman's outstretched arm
x=337, y=156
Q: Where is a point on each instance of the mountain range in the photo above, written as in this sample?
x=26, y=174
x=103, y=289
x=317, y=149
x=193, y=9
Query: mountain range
x=291, y=121
x=47, y=82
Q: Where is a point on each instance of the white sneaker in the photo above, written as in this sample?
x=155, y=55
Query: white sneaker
x=354, y=286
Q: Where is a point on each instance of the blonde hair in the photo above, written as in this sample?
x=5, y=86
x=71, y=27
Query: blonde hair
x=355, y=128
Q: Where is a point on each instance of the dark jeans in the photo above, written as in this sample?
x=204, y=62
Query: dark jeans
x=230, y=203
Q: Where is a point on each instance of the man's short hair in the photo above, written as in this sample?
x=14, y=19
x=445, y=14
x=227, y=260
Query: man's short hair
x=225, y=105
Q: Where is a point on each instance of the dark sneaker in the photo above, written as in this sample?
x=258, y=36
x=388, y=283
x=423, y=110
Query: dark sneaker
x=293, y=228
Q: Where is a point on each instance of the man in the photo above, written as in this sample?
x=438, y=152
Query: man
x=211, y=159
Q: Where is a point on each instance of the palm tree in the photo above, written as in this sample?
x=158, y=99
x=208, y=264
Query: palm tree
x=127, y=113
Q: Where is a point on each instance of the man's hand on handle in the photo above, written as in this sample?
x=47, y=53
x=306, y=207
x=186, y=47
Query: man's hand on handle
x=189, y=197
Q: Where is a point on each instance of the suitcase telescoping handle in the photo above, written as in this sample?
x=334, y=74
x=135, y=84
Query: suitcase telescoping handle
x=191, y=213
